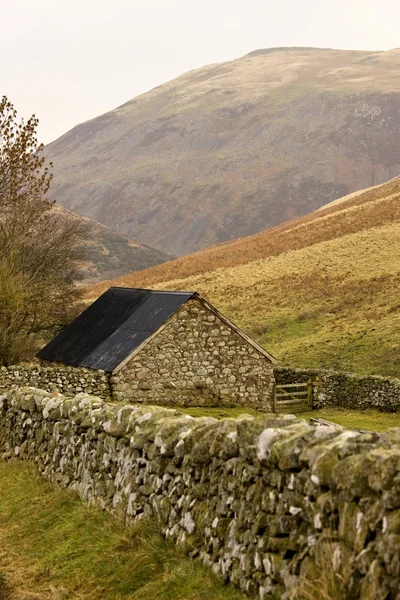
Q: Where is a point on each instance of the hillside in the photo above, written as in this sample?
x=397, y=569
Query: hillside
x=231, y=149
x=110, y=254
x=319, y=291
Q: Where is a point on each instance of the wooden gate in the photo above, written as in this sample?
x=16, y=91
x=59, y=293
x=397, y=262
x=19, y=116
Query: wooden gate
x=293, y=397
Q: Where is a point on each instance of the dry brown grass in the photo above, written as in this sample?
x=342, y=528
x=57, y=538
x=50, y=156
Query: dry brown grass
x=321, y=291
x=375, y=207
x=321, y=581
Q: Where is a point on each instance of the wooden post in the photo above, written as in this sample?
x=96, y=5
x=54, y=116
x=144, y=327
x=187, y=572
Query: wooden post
x=274, y=397
x=310, y=394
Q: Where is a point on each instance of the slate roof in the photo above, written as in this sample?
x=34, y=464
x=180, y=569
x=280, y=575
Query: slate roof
x=111, y=328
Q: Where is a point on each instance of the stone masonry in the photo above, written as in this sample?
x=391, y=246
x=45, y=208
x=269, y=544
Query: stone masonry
x=264, y=502
x=346, y=390
x=56, y=378
x=196, y=360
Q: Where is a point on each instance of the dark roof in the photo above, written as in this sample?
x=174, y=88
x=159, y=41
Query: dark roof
x=111, y=328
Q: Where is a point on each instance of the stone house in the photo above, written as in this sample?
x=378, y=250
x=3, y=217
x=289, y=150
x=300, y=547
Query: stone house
x=165, y=347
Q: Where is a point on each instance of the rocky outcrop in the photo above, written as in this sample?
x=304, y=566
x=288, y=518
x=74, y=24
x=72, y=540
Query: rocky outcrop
x=262, y=501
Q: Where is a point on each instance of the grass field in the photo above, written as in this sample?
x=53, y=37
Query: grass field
x=319, y=292
x=54, y=547
x=371, y=420
x=219, y=412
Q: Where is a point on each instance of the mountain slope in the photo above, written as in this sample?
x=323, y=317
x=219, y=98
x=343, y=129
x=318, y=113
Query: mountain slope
x=233, y=148
x=320, y=291
x=110, y=254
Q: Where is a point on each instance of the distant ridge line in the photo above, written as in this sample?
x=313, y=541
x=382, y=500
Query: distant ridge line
x=295, y=48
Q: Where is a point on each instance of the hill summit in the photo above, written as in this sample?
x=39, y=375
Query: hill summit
x=233, y=148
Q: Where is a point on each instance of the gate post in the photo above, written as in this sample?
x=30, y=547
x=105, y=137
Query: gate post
x=310, y=394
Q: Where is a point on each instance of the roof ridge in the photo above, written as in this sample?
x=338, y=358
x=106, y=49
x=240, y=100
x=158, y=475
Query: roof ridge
x=175, y=292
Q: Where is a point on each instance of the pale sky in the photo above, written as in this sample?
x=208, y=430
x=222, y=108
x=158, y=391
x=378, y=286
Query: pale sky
x=70, y=60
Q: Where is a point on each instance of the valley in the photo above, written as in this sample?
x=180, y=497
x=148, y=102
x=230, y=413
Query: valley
x=110, y=254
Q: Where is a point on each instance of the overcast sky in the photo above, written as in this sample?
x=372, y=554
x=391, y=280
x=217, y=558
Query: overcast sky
x=70, y=60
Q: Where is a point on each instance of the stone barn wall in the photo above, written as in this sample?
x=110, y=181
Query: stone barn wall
x=197, y=360
x=262, y=501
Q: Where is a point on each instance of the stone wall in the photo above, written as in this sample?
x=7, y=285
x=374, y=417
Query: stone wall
x=346, y=389
x=58, y=378
x=196, y=360
x=262, y=501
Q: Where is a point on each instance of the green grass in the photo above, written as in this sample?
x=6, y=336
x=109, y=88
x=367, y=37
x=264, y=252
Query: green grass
x=219, y=412
x=54, y=547
x=372, y=420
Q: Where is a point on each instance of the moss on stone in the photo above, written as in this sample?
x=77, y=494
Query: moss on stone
x=260, y=500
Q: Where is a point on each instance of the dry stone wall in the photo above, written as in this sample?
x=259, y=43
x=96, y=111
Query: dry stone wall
x=197, y=359
x=264, y=501
x=346, y=390
x=58, y=378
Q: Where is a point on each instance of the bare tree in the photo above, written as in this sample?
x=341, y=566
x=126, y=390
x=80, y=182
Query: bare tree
x=41, y=246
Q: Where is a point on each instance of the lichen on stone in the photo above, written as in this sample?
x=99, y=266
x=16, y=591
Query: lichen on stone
x=259, y=500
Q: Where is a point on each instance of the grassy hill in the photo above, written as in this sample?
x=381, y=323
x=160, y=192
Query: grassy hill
x=231, y=149
x=319, y=291
x=111, y=254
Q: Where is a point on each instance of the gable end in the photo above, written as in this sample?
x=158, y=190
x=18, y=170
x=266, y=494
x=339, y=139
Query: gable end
x=212, y=309
x=236, y=329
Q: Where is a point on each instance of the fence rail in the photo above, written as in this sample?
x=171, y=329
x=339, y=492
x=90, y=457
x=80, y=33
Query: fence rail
x=293, y=397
